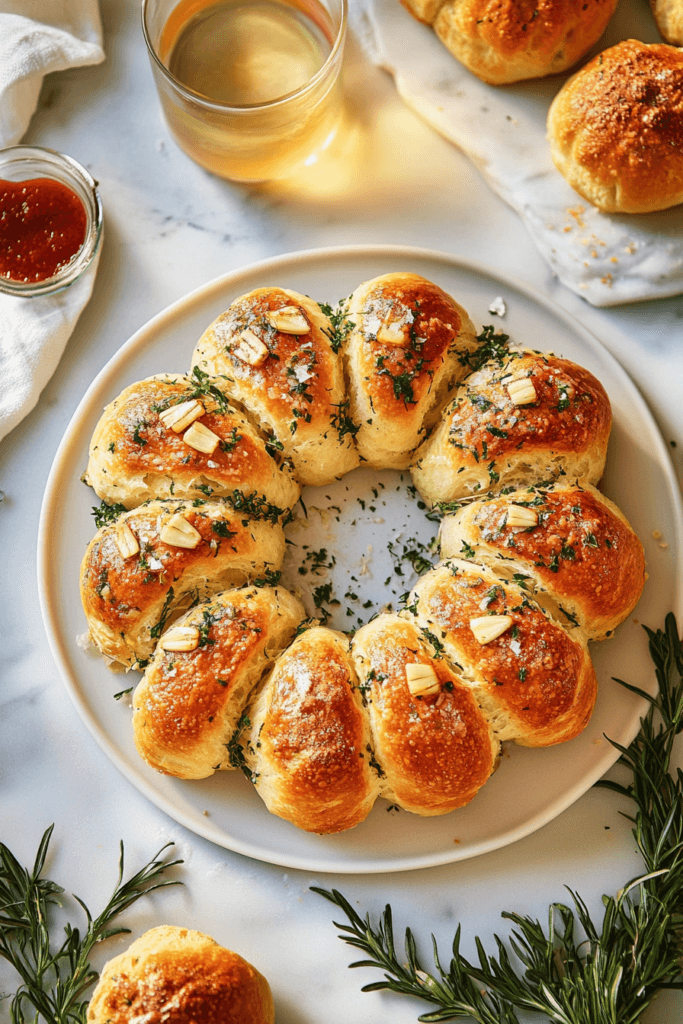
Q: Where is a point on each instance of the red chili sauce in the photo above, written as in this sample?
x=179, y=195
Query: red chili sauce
x=42, y=227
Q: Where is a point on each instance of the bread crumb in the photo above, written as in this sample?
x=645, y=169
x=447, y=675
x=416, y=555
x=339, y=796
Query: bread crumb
x=656, y=534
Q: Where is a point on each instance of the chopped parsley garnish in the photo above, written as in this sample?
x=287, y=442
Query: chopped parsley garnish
x=156, y=631
x=220, y=527
x=105, y=514
x=341, y=325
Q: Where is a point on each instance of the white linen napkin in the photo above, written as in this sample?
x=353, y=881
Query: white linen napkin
x=38, y=37
x=607, y=259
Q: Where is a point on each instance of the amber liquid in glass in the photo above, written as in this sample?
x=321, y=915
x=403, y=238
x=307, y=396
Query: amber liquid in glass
x=242, y=54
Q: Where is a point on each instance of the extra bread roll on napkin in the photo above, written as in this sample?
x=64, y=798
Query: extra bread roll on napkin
x=505, y=41
x=616, y=128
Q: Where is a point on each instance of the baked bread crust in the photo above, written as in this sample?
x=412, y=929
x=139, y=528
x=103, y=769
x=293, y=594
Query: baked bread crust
x=582, y=561
x=435, y=752
x=535, y=683
x=187, y=707
x=128, y=602
x=505, y=41
x=297, y=394
x=396, y=392
x=134, y=456
x=308, y=743
x=180, y=976
x=485, y=441
x=669, y=17
x=616, y=128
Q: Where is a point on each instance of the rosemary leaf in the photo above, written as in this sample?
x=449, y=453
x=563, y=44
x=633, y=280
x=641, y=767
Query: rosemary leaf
x=54, y=981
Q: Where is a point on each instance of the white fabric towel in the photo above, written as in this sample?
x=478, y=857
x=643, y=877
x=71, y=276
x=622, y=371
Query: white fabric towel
x=38, y=37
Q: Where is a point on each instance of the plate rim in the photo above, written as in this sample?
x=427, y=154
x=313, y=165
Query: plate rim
x=50, y=505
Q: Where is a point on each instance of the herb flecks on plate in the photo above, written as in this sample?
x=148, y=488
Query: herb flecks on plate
x=572, y=970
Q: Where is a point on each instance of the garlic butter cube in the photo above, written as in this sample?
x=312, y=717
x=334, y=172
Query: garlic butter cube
x=180, y=638
x=201, y=439
x=489, y=627
x=288, y=320
x=522, y=517
x=178, y=533
x=126, y=541
x=521, y=391
x=180, y=417
x=393, y=334
x=250, y=349
x=422, y=680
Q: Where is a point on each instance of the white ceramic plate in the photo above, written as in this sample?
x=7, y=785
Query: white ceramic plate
x=531, y=786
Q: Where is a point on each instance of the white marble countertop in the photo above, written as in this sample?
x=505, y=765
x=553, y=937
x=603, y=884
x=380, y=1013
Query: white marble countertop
x=169, y=228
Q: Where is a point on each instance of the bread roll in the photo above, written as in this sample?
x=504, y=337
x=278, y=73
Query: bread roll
x=188, y=704
x=397, y=386
x=669, y=17
x=308, y=741
x=486, y=440
x=580, y=559
x=511, y=40
x=291, y=383
x=136, y=577
x=616, y=128
x=179, y=976
x=435, y=749
x=534, y=682
x=135, y=455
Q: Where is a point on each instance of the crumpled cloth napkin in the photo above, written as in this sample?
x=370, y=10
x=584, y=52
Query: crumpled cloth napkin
x=38, y=37
x=607, y=259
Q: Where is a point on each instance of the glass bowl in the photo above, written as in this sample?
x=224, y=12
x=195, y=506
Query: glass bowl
x=24, y=163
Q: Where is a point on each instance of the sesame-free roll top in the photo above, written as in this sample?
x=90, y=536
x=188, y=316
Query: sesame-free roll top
x=406, y=347
x=177, y=436
x=534, y=682
x=179, y=976
x=433, y=743
x=616, y=127
x=520, y=419
x=505, y=41
x=567, y=544
x=278, y=351
x=145, y=568
x=188, y=705
x=307, y=739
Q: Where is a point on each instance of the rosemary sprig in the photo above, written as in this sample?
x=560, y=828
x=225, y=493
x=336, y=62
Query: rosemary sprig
x=54, y=981
x=572, y=971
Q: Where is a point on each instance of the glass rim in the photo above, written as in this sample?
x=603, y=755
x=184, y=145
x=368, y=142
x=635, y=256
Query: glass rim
x=216, y=105
x=48, y=162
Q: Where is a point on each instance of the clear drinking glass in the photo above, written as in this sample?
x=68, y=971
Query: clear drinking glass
x=250, y=88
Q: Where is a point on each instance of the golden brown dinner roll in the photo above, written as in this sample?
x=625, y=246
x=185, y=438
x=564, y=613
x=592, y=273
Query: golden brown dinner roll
x=523, y=418
x=511, y=40
x=180, y=976
x=172, y=436
x=406, y=349
x=534, y=682
x=616, y=128
x=566, y=544
x=307, y=741
x=143, y=570
x=433, y=743
x=189, y=702
x=669, y=17
x=275, y=347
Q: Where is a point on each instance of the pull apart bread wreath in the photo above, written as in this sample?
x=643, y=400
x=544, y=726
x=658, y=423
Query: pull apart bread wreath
x=199, y=474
